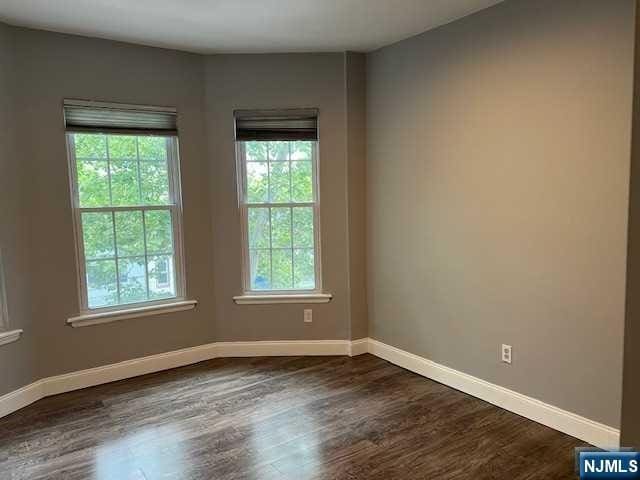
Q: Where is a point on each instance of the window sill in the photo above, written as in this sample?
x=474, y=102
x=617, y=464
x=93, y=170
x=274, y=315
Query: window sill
x=10, y=336
x=276, y=298
x=136, y=312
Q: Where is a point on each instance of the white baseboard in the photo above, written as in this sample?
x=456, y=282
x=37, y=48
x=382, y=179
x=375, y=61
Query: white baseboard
x=580, y=427
x=68, y=382
x=127, y=369
x=20, y=398
x=283, y=348
x=588, y=430
x=359, y=347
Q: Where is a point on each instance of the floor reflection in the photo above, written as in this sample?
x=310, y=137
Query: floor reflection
x=149, y=453
x=286, y=442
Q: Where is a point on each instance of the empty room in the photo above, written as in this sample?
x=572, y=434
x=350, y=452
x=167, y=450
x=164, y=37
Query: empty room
x=319, y=239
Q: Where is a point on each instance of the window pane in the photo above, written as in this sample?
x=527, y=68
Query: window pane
x=282, y=269
x=304, y=271
x=90, y=145
x=278, y=151
x=279, y=191
x=125, y=190
x=281, y=227
x=301, y=150
x=260, y=264
x=257, y=182
x=152, y=148
x=154, y=177
x=122, y=147
x=93, y=183
x=97, y=232
x=129, y=234
x=256, y=151
x=161, y=277
x=127, y=171
x=303, y=227
x=301, y=181
x=158, y=226
x=258, y=228
x=281, y=239
x=133, y=284
x=101, y=283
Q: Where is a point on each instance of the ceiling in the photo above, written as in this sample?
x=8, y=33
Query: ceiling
x=242, y=26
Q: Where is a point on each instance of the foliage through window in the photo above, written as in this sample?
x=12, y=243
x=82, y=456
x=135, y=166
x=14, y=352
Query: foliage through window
x=279, y=203
x=127, y=207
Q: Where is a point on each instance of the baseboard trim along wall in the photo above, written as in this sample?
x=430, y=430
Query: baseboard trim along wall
x=580, y=427
x=68, y=382
x=590, y=431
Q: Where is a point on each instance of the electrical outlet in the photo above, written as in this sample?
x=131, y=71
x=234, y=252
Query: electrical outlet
x=506, y=353
x=308, y=315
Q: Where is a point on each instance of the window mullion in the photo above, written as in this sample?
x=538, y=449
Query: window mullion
x=146, y=256
x=172, y=169
x=144, y=220
x=268, y=176
x=113, y=219
x=139, y=175
x=135, y=208
x=115, y=252
x=293, y=271
x=290, y=180
x=106, y=141
x=280, y=204
x=270, y=252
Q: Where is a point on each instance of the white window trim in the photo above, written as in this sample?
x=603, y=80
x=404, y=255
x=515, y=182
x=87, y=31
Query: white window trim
x=250, y=296
x=277, y=299
x=125, y=310
x=10, y=336
x=90, y=319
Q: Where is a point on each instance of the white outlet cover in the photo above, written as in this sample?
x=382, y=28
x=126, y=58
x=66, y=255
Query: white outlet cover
x=506, y=353
x=308, y=315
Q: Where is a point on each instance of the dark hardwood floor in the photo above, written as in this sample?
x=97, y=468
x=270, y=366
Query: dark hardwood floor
x=289, y=418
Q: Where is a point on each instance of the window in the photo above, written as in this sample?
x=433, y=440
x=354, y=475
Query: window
x=278, y=172
x=127, y=206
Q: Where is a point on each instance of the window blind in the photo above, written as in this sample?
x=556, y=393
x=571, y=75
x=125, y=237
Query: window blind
x=88, y=116
x=294, y=124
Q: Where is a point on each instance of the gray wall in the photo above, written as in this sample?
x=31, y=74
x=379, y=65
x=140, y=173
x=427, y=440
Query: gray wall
x=17, y=359
x=498, y=170
x=497, y=190
x=52, y=67
x=278, y=81
x=356, y=92
x=49, y=67
x=631, y=390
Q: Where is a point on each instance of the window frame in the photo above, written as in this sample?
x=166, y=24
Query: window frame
x=174, y=207
x=244, y=206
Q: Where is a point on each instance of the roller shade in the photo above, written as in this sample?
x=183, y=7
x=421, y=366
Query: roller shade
x=84, y=116
x=298, y=124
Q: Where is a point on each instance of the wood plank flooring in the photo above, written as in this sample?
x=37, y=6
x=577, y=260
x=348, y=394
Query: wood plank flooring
x=285, y=418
